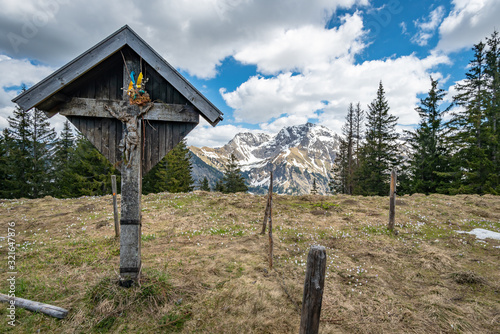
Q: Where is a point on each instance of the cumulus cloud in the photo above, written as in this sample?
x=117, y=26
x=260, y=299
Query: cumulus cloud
x=206, y=135
x=426, y=28
x=468, y=22
x=15, y=72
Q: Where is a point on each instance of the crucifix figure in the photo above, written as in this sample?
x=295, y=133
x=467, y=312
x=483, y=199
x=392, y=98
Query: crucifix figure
x=130, y=139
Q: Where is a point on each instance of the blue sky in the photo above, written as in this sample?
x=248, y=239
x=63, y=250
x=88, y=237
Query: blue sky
x=265, y=64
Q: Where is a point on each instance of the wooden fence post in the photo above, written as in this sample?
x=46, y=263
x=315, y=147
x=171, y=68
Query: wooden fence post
x=313, y=290
x=271, y=243
x=268, y=205
x=115, y=206
x=392, y=201
x=53, y=311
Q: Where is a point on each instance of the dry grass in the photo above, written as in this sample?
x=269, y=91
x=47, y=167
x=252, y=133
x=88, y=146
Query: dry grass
x=205, y=265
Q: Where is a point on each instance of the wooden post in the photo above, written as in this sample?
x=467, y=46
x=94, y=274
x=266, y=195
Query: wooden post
x=268, y=205
x=131, y=181
x=270, y=218
x=53, y=311
x=392, y=201
x=313, y=290
x=115, y=206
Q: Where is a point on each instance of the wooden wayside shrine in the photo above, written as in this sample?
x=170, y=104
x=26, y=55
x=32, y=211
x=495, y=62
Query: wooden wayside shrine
x=134, y=108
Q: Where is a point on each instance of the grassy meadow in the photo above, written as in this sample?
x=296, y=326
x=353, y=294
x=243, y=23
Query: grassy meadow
x=205, y=266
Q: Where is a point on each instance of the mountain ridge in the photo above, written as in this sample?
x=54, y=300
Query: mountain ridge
x=298, y=155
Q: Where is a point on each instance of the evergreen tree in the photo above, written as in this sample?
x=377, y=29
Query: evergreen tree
x=19, y=148
x=204, y=184
x=314, y=189
x=338, y=180
x=233, y=181
x=359, y=117
x=473, y=165
x=178, y=169
x=219, y=186
x=378, y=154
x=429, y=160
x=4, y=167
x=348, y=131
x=42, y=142
x=91, y=171
x=63, y=160
x=155, y=181
x=492, y=70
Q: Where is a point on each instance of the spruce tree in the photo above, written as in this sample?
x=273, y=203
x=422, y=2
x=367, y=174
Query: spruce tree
x=492, y=70
x=178, y=169
x=91, y=170
x=19, y=148
x=470, y=130
x=314, y=189
x=5, y=181
x=63, y=160
x=43, y=140
x=338, y=180
x=204, y=184
x=233, y=181
x=429, y=160
x=348, y=130
x=379, y=153
x=155, y=181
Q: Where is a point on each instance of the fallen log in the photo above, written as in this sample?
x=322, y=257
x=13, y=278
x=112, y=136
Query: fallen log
x=53, y=311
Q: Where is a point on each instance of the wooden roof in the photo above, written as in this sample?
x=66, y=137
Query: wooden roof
x=48, y=88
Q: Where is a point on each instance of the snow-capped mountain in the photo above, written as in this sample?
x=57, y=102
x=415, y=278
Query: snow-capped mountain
x=297, y=154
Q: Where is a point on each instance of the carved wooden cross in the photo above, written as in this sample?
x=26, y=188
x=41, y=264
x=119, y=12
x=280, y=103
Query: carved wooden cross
x=88, y=92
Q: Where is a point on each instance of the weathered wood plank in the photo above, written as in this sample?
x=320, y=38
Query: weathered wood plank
x=105, y=124
x=314, y=285
x=53, y=311
x=160, y=112
x=73, y=70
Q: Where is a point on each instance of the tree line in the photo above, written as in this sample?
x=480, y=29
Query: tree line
x=453, y=150
x=36, y=162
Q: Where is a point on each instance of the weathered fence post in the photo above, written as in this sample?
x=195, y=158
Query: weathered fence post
x=115, y=206
x=268, y=205
x=313, y=290
x=270, y=218
x=392, y=202
x=53, y=311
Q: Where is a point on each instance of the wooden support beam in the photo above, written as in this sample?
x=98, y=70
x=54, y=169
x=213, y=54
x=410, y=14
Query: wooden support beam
x=53, y=311
x=313, y=290
x=160, y=112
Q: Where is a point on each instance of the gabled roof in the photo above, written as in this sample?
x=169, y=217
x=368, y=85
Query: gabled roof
x=82, y=64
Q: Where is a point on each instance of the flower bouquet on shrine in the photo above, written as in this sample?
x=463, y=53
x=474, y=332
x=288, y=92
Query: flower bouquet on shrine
x=136, y=92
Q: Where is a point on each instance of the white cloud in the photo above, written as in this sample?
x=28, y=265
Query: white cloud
x=206, y=135
x=427, y=28
x=468, y=23
x=285, y=97
x=15, y=72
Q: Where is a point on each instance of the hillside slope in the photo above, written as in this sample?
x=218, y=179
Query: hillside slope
x=205, y=266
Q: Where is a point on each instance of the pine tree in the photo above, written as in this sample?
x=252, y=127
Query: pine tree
x=63, y=158
x=492, y=70
x=4, y=167
x=155, y=181
x=204, y=184
x=348, y=130
x=338, y=180
x=91, y=170
x=178, y=169
x=379, y=153
x=219, y=186
x=470, y=131
x=19, y=148
x=233, y=181
x=43, y=140
x=429, y=161
x=314, y=189
x=359, y=117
